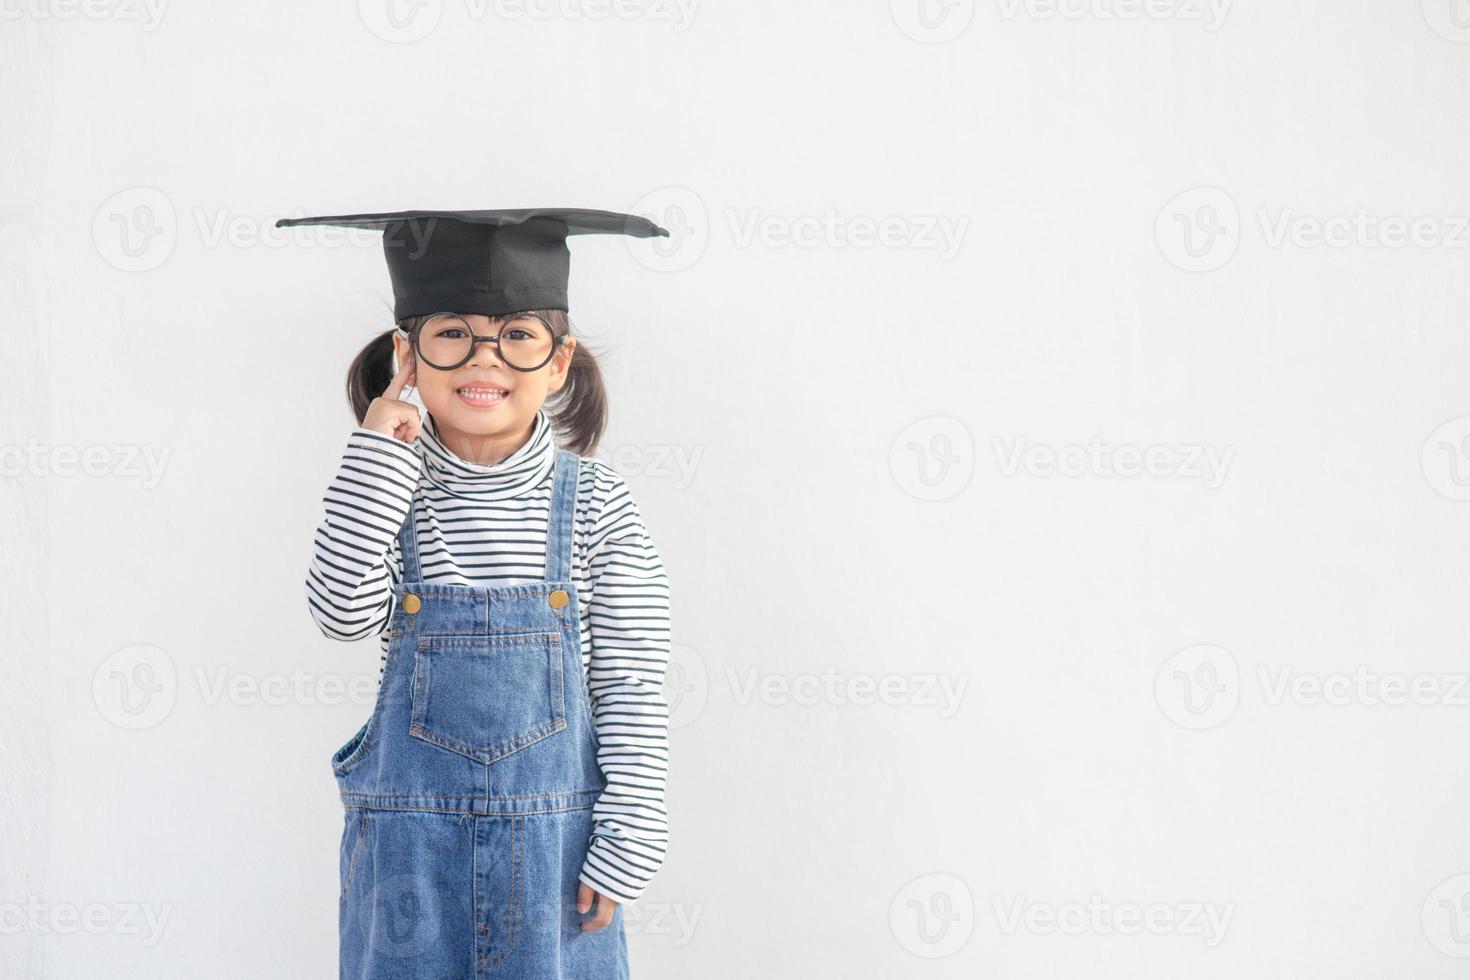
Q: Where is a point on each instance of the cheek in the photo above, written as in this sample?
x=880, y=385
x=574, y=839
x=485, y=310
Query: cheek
x=434, y=386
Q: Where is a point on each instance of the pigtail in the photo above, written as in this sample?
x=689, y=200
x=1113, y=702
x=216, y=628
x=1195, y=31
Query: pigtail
x=370, y=373
x=579, y=409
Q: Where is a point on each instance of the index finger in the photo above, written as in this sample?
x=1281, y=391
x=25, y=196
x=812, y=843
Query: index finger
x=395, y=387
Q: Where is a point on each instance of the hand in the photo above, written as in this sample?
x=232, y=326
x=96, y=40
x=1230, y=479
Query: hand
x=390, y=416
x=605, y=907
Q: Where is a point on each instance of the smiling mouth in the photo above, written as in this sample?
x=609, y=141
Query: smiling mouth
x=482, y=396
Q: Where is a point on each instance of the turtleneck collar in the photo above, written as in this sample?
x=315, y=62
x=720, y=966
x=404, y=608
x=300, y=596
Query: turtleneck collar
x=512, y=476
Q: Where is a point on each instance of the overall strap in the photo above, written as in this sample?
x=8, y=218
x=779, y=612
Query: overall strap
x=408, y=545
x=409, y=532
x=408, y=539
x=559, y=523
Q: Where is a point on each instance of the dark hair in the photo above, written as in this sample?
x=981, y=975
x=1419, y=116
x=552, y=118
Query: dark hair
x=578, y=411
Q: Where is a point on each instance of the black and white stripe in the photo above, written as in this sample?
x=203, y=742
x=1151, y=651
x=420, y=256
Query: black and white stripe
x=486, y=525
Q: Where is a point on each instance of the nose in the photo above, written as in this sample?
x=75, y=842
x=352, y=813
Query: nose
x=487, y=351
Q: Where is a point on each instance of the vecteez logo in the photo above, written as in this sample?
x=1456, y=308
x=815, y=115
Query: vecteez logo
x=1201, y=229
x=148, y=14
x=1209, y=14
x=410, y=21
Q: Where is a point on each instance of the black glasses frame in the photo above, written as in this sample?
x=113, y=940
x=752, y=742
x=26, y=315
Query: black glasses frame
x=475, y=338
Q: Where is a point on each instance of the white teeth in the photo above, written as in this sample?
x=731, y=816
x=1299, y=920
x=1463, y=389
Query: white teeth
x=484, y=394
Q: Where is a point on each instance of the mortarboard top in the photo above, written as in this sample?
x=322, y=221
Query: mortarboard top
x=488, y=262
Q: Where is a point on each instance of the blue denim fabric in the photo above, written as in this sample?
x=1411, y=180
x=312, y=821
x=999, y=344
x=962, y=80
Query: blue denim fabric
x=469, y=790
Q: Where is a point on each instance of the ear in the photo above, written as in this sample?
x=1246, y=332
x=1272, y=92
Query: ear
x=561, y=363
x=402, y=349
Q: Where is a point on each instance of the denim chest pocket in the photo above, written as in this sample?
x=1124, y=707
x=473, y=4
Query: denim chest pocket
x=487, y=695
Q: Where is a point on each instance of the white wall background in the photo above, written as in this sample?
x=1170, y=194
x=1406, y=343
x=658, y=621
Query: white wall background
x=1111, y=230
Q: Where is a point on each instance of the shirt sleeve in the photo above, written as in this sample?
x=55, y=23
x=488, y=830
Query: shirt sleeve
x=347, y=586
x=629, y=612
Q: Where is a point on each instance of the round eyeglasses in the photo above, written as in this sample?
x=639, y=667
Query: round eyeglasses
x=526, y=342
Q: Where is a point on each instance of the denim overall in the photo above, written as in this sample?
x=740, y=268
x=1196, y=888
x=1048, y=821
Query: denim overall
x=469, y=790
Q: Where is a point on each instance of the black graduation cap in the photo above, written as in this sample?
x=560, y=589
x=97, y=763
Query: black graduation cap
x=489, y=262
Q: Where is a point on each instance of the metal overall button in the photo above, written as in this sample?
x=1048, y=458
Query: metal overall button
x=411, y=604
x=558, y=599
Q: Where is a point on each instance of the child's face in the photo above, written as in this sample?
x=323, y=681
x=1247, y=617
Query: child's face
x=466, y=400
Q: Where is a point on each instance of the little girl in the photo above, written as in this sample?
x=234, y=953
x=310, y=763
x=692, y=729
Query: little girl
x=516, y=755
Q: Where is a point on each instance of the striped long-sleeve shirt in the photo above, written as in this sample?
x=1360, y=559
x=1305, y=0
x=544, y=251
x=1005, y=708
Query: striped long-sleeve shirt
x=486, y=525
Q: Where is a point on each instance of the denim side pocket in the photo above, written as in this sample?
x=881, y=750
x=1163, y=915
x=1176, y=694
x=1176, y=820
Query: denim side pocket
x=354, y=832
